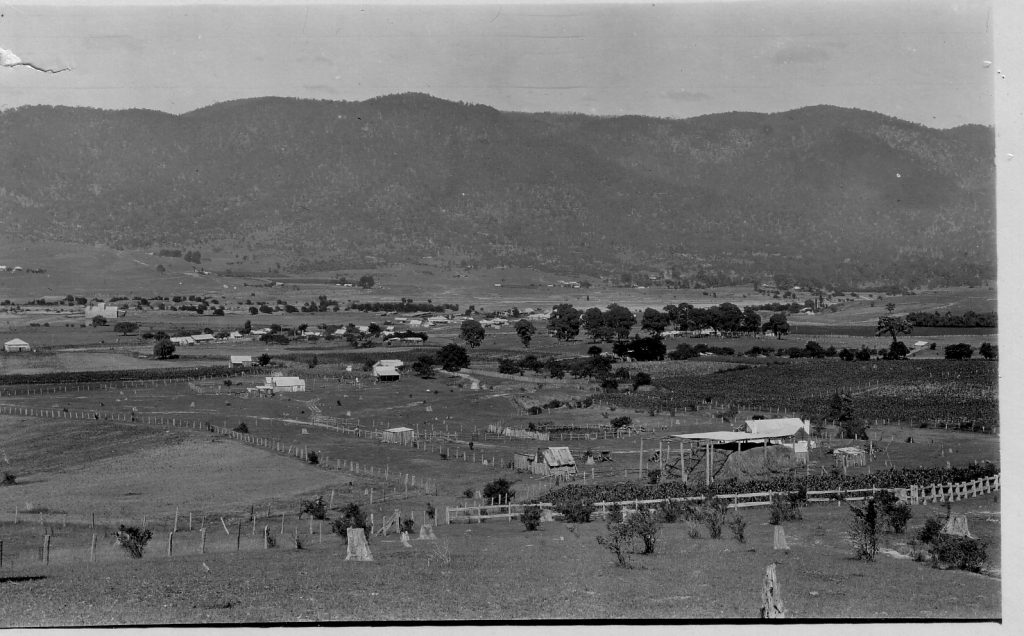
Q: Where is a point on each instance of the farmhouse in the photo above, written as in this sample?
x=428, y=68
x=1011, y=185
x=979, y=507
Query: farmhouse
x=15, y=345
x=182, y=340
x=287, y=384
x=201, y=338
x=104, y=310
x=398, y=435
x=241, y=361
x=387, y=370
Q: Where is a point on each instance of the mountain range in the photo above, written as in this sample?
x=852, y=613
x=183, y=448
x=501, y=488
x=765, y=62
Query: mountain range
x=823, y=195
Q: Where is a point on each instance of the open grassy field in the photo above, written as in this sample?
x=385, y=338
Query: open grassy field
x=497, y=571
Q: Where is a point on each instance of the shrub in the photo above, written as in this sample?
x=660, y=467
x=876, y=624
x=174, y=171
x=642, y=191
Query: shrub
x=617, y=542
x=963, y=553
x=313, y=458
x=654, y=476
x=352, y=516
x=712, y=515
x=530, y=518
x=622, y=421
x=614, y=513
x=500, y=487
x=9, y=479
x=738, y=525
x=643, y=526
x=930, y=531
x=241, y=428
x=576, y=511
x=693, y=530
x=468, y=493
x=672, y=511
x=896, y=514
x=407, y=525
x=785, y=509
x=316, y=508
x=864, y=531
x=133, y=540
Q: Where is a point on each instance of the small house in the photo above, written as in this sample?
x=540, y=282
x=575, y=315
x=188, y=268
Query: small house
x=387, y=371
x=241, y=361
x=287, y=384
x=202, y=338
x=182, y=340
x=104, y=310
x=398, y=435
x=15, y=345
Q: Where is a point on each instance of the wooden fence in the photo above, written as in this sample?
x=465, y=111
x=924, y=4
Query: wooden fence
x=932, y=493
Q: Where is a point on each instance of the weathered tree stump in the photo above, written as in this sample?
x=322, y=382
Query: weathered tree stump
x=780, y=539
x=771, y=598
x=358, y=550
x=405, y=540
x=956, y=525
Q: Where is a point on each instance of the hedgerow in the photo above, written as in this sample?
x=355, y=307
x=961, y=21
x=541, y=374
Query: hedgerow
x=573, y=495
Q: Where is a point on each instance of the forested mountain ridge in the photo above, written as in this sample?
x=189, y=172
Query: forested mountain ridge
x=820, y=194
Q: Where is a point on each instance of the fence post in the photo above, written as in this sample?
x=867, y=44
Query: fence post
x=202, y=541
x=92, y=549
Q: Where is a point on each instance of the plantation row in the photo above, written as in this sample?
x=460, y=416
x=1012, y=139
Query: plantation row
x=573, y=494
x=122, y=375
x=962, y=392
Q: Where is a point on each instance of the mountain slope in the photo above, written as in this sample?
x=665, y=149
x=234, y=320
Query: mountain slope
x=823, y=194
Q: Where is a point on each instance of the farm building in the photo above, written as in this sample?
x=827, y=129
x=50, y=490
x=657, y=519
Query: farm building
x=182, y=340
x=387, y=370
x=105, y=310
x=16, y=344
x=784, y=426
x=398, y=435
x=241, y=361
x=703, y=446
x=554, y=460
x=287, y=384
x=201, y=338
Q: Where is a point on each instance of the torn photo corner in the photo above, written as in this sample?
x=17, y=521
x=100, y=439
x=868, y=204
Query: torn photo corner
x=9, y=59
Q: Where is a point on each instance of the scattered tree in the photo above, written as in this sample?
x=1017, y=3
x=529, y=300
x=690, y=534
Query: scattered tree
x=163, y=349
x=126, y=328
x=133, y=540
x=961, y=351
x=564, y=322
x=525, y=330
x=472, y=332
x=452, y=357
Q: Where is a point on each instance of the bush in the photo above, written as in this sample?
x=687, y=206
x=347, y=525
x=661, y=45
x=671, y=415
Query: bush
x=617, y=542
x=407, y=525
x=531, y=518
x=712, y=515
x=963, y=553
x=643, y=526
x=316, y=508
x=738, y=525
x=9, y=479
x=930, y=531
x=313, y=458
x=614, y=513
x=133, y=540
x=785, y=509
x=499, y=488
x=241, y=428
x=352, y=516
x=576, y=511
x=621, y=422
x=672, y=511
x=654, y=476
x=468, y=493
x=896, y=514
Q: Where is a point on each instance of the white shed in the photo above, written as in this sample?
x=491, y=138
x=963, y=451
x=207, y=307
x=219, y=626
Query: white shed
x=16, y=344
x=287, y=384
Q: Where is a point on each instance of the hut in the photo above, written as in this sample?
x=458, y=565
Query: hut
x=523, y=462
x=387, y=370
x=398, y=435
x=241, y=361
x=17, y=344
x=554, y=460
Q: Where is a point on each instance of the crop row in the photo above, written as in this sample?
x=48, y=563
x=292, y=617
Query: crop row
x=892, y=478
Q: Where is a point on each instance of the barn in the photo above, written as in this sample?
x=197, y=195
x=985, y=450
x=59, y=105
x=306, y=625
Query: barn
x=287, y=384
x=15, y=345
x=398, y=435
x=554, y=460
x=241, y=361
x=387, y=370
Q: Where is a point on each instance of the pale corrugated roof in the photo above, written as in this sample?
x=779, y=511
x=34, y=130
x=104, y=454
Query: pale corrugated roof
x=778, y=426
x=558, y=456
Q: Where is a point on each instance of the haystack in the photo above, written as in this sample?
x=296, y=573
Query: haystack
x=756, y=463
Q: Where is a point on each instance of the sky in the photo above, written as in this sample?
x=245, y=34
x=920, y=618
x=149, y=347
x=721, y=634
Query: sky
x=925, y=61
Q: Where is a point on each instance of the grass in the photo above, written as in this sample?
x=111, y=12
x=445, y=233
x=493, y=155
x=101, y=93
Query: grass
x=556, y=573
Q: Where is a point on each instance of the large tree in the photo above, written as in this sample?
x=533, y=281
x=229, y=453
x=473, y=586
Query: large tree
x=620, y=321
x=751, y=321
x=778, y=324
x=564, y=322
x=894, y=326
x=163, y=348
x=593, y=324
x=726, y=317
x=654, y=321
x=525, y=330
x=472, y=332
x=452, y=357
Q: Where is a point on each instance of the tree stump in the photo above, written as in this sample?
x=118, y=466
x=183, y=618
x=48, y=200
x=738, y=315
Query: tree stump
x=771, y=598
x=358, y=550
x=780, y=539
x=405, y=540
x=956, y=525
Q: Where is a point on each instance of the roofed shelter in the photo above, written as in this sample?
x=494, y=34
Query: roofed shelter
x=713, y=439
x=780, y=426
x=398, y=435
x=17, y=344
x=554, y=460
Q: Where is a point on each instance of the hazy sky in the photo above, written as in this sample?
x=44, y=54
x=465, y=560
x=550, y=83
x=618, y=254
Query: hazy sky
x=921, y=61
